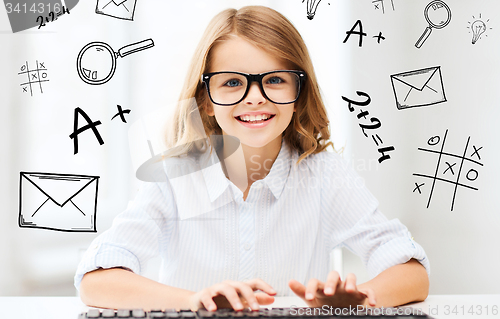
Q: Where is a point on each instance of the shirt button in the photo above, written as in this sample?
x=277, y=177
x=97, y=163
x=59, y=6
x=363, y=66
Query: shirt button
x=247, y=246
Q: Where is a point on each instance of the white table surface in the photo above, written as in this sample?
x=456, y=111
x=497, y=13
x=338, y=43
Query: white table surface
x=461, y=306
x=439, y=306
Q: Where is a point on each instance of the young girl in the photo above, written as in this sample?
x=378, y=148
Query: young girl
x=285, y=208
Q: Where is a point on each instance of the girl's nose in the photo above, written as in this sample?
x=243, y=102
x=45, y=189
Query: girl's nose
x=254, y=96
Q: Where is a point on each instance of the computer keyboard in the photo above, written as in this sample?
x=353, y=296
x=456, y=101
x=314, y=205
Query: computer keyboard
x=277, y=313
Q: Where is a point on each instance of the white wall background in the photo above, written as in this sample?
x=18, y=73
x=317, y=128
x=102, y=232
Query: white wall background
x=461, y=244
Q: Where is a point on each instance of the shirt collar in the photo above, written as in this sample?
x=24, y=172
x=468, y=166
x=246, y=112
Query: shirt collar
x=280, y=170
x=217, y=183
x=215, y=179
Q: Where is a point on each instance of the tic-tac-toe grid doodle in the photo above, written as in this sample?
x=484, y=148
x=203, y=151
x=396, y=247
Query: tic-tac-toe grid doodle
x=35, y=77
x=380, y=5
x=460, y=170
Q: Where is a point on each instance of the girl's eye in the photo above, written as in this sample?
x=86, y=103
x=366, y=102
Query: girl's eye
x=232, y=83
x=275, y=80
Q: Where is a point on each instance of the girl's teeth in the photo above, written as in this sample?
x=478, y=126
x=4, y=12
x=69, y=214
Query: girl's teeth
x=253, y=118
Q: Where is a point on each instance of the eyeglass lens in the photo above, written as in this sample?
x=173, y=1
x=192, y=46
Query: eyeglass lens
x=279, y=87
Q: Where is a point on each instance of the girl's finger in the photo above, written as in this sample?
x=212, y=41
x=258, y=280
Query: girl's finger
x=350, y=283
x=247, y=294
x=260, y=284
x=312, y=286
x=370, y=294
x=332, y=281
x=298, y=288
x=263, y=298
x=230, y=293
x=208, y=302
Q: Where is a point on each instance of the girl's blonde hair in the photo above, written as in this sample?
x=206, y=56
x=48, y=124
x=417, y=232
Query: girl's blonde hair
x=270, y=31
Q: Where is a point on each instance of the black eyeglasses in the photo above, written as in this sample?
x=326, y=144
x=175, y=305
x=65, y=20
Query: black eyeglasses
x=230, y=88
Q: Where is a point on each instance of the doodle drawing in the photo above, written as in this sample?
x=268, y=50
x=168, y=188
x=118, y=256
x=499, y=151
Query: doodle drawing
x=312, y=5
x=478, y=28
x=35, y=77
x=52, y=16
x=451, y=168
x=380, y=5
x=438, y=15
x=373, y=125
x=96, y=62
x=357, y=29
x=62, y=202
x=121, y=113
x=27, y=14
x=418, y=88
x=120, y=9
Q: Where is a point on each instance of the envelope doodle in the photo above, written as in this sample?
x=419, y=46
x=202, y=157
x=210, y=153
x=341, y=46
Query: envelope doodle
x=422, y=87
x=62, y=202
x=121, y=9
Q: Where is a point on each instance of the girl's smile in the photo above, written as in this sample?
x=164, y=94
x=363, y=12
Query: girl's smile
x=255, y=119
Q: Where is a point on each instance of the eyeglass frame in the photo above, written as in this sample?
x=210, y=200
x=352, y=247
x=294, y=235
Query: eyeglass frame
x=205, y=78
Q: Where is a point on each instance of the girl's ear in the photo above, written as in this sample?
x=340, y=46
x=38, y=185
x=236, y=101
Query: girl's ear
x=209, y=109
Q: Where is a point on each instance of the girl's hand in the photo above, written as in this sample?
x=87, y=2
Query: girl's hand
x=334, y=292
x=233, y=294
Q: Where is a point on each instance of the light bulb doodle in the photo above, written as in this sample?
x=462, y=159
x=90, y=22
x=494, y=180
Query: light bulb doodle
x=312, y=5
x=478, y=28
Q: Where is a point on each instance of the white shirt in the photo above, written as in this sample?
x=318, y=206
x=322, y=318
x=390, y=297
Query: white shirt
x=286, y=228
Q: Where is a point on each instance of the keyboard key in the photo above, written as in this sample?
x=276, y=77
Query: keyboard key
x=138, y=313
x=239, y=314
x=189, y=314
x=123, y=313
x=278, y=313
x=108, y=313
x=93, y=313
x=253, y=314
x=203, y=313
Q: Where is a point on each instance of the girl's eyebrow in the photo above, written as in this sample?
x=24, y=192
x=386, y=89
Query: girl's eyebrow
x=271, y=70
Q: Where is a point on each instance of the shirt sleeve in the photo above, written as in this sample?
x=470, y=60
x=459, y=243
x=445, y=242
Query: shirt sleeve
x=135, y=235
x=353, y=220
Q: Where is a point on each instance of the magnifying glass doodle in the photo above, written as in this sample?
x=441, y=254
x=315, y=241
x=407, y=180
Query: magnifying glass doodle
x=96, y=62
x=438, y=15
